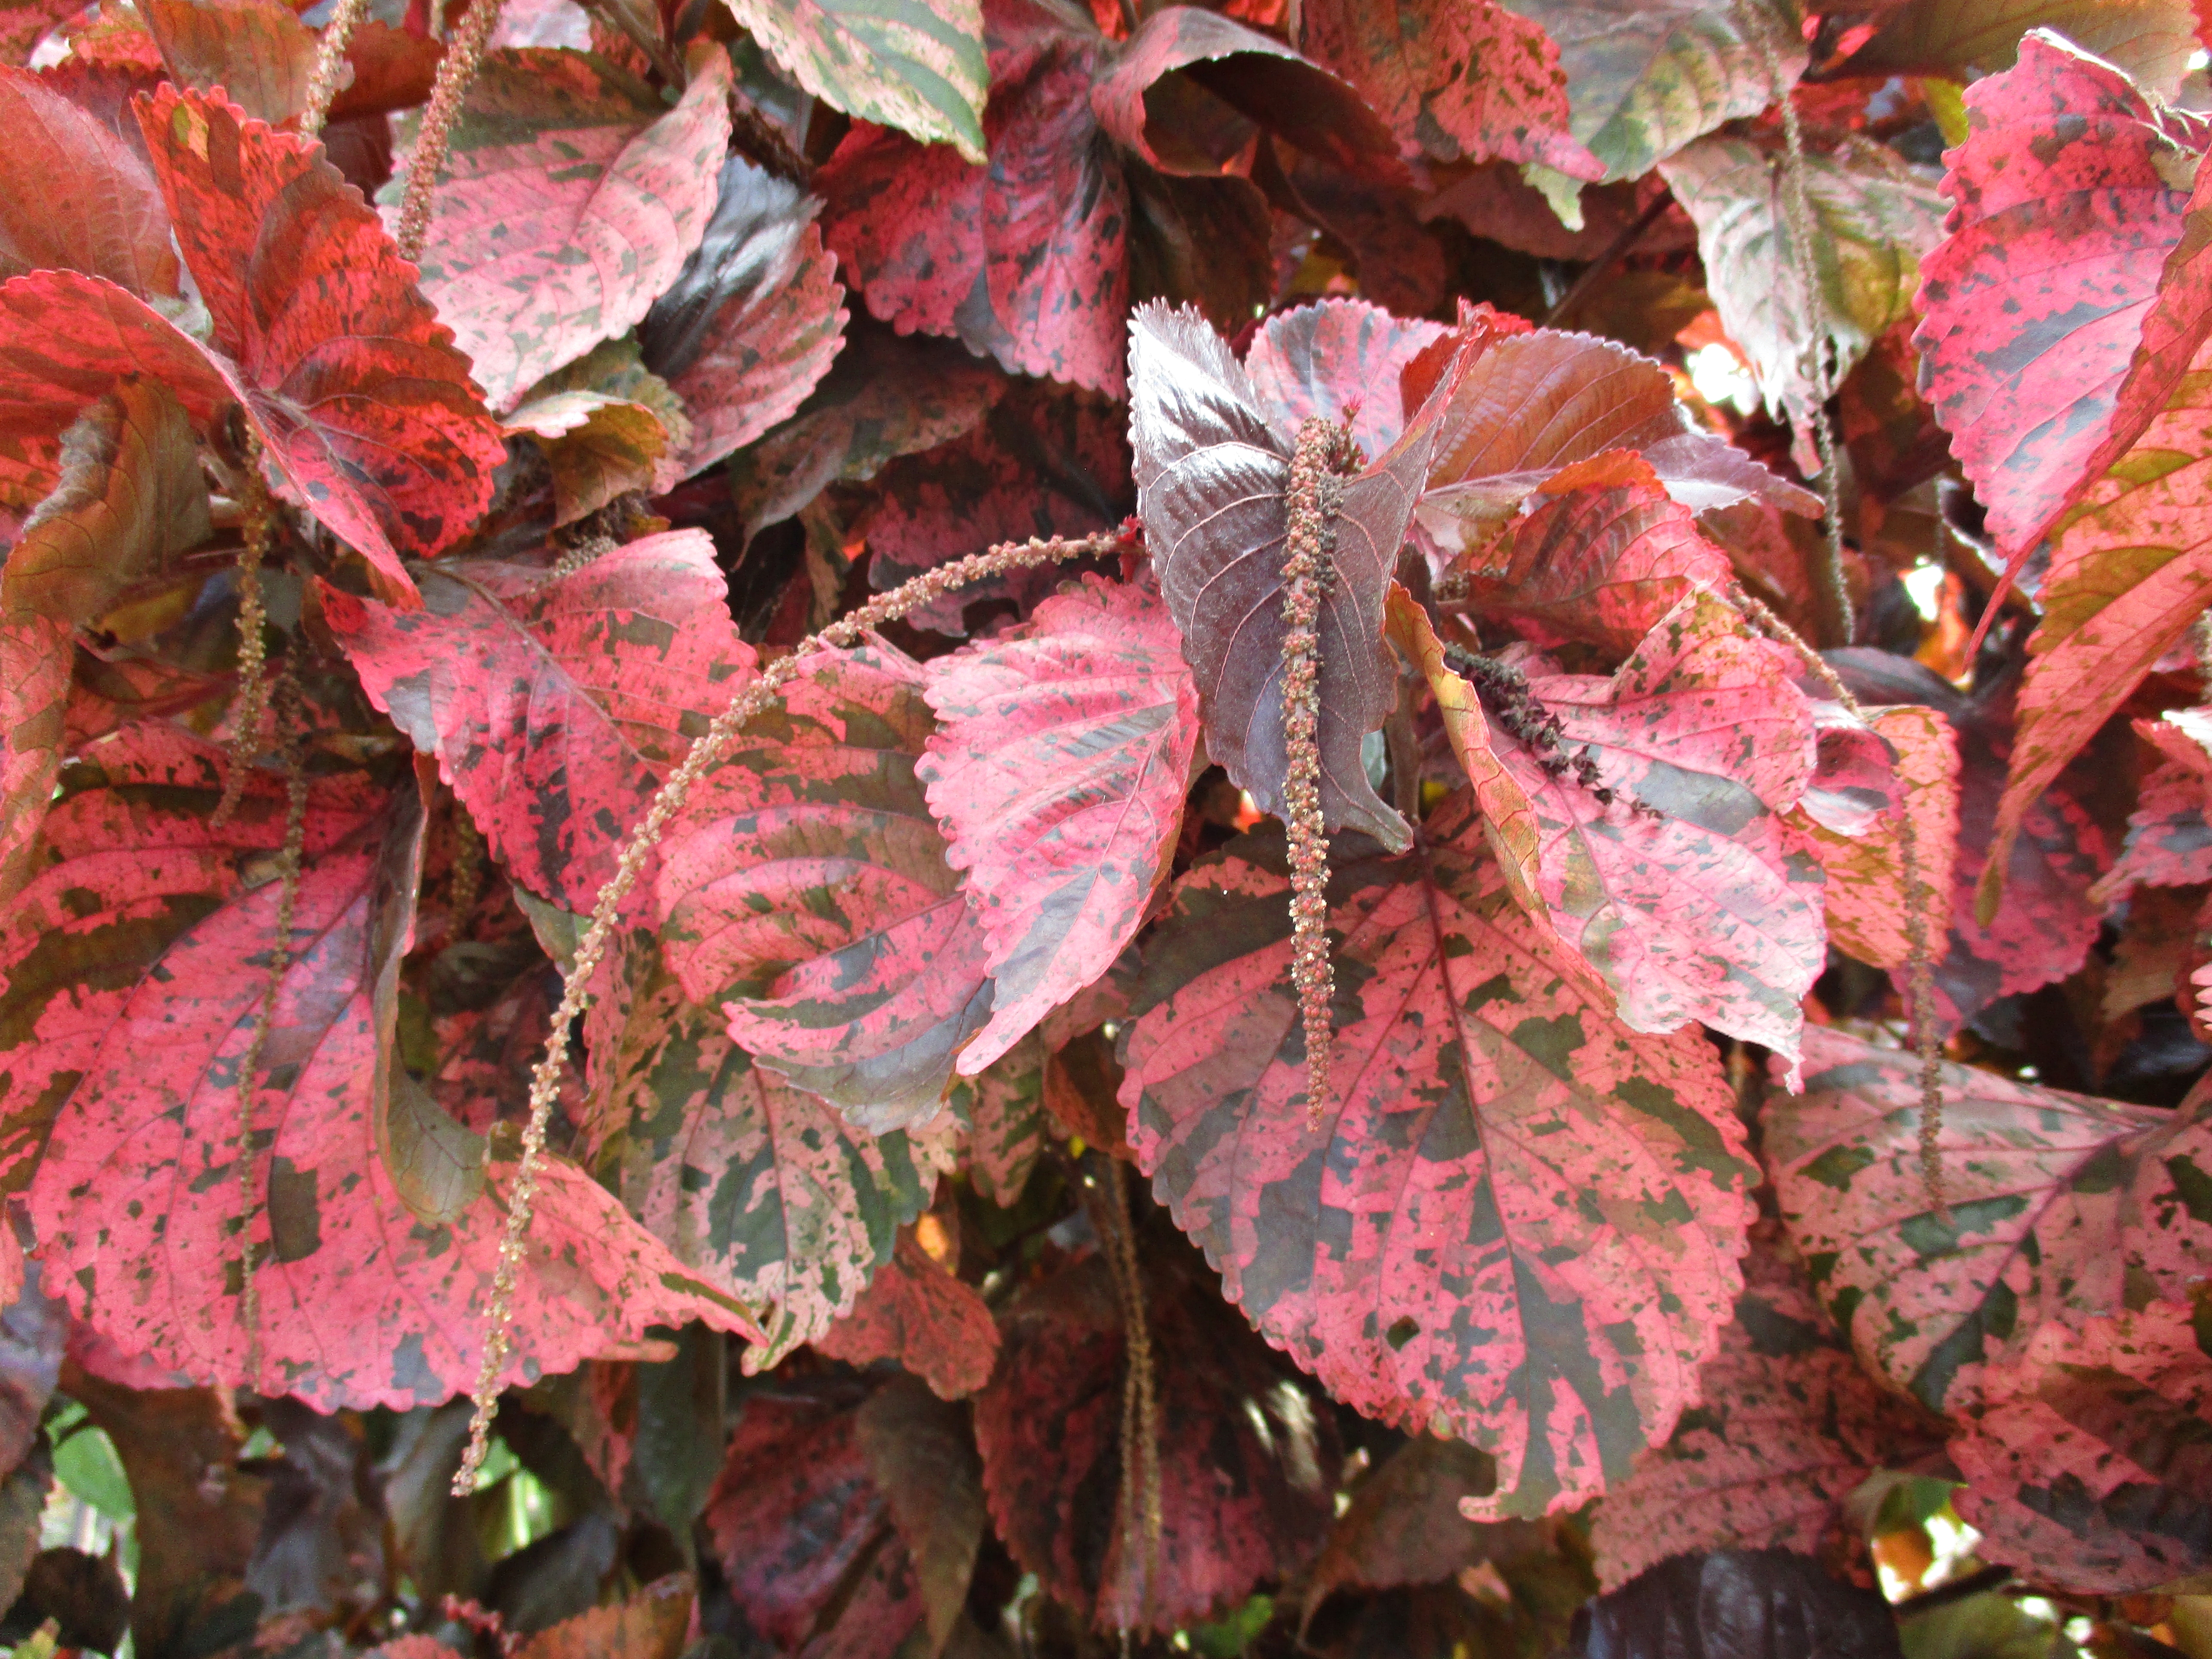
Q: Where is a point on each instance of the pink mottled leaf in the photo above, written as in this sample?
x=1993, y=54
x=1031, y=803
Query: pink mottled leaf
x=74, y=197
x=1213, y=467
x=1002, y=1107
x=1058, y=771
x=756, y=1186
x=1338, y=358
x=1545, y=400
x=753, y=321
x=1869, y=893
x=1246, y=1463
x=1519, y=1221
x=806, y=893
x=1644, y=81
x=804, y=1529
x=555, y=704
x=1670, y=869
x=921, y=1316
x=2068, y=294
x=146, y=934
x=920, y=69
x=130, y=497
x=1470, y=82
x=1603, y=553
x=1789, y=1427
x=366, y=409
x=2169, y=844
x=34, y=688
x=571, y=199
x=2062, y=1208
x=2087, y=1465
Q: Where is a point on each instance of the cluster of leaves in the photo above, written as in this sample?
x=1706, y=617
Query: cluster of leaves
x=943, y=1243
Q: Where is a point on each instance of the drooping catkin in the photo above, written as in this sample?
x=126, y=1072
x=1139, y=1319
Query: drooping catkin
x=1143, y=1520
x=1314, y=496
x=287, y=699
x=591, y=945
x=330, y=63
x=456, y=70
x=251, y=701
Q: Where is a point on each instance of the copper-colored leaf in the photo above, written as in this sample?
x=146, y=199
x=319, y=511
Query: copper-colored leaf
x=924, y=1317
x=76, y=197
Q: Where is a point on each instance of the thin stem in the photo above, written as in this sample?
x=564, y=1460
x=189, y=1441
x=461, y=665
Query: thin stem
x=330, y=62
x=456, y=70
x=575, y=979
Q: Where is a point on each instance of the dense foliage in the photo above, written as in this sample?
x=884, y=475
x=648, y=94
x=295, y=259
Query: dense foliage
x=1368, y=815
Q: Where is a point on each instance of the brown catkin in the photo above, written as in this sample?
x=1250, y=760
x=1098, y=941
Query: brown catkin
x=1315, y=494
x=330, y=63
x=279, y=961
x=253, y=699
x=1143, y=1520
x=590, y=946
x=456, y=70
x=467, y=873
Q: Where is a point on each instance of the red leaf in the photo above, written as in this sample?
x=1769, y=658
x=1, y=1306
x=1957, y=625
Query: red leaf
x=2169, y=844
x=1518, y=1223
x=1789, y=1427
x=1603, y=554
x=922, y=1316
x=2048, y=344
x=74, y=197
x=651, y=1624
x=366, y=407
x=803, y=1530
x=1870, y=895
x=1247, y=1466
x=758, y=1189
x=555, y=704
x=1029, y=258
x=142, y=938
x=752, y=322
x=257, y=52
x=1684, y=891
x=2088, y=1467
x=1545, y=400
x=1058, y=774
x=1212, y=470
x=35, y=688
x=806, y=892
x=1470, y=82
x=571, y=200
x=1003, y=1112
x=2062, y=1208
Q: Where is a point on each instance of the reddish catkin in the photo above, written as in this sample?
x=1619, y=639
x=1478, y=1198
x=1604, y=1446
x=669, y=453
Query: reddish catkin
x=591, y=945
x=1143, y=1520
x=1316, y=492
x=456, y=70
x=253, y=699
x=330, y=63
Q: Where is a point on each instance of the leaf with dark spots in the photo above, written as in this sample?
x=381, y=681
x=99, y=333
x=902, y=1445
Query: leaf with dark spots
x=1058, y=773
x=805, y=892
x=1789, y=1427
x=366, y=409
x=1542, y=400
x=2062, y=1208
x=2088, y=1463
x=753, y=320
x=1029, y=258
x=130, y=499
x=1212, y=468
x=1472, y=81
x=1737, y=1604
x=923, y=1316
x=1518, y=1223
x=1342, y=359
x=2070, y=289
x=258, y=51
x=145, y=922
x=74, y=195
x=572, y=197
x=1970, y=41
x=759, y=1189
x=2169, y=842
x=1679, y=883
x=919, y=68
x=35, y=653
x=802, y=1531
x=651, y=1624
x=1247, y=1462
x=1602, y=554
x=555, y=704
x=1643, y=82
